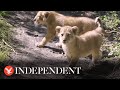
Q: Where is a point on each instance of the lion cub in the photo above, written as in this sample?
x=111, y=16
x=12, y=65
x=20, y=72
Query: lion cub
x=80, y=46
x=52, y=19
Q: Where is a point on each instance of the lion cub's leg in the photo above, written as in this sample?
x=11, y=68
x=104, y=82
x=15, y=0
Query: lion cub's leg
x=73, y=62
x=49, y=36
x=96, y=56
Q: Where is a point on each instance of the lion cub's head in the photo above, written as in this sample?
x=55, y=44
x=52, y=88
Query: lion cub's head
x=66, y=33
x=41, y=17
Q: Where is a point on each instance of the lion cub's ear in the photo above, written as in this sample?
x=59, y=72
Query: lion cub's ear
x=47, y=14
x=58, y=29
x=75, y=30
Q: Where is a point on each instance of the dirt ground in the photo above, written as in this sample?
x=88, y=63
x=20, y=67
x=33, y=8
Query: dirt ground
x=25, y=38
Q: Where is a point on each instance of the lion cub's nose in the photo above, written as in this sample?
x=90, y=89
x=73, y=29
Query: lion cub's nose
x=64, y=41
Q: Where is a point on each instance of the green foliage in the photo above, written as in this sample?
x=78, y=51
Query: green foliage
x=5, y=34
x=3, y=13
x=114, y=50
x=4, y=30
x=111, y=20
x=3, y=55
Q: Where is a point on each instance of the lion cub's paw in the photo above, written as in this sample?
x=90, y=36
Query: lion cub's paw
x=40, y=46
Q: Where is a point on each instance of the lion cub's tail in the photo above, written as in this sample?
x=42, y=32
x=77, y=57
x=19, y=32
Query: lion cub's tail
x=100, y=25
x=98, y=21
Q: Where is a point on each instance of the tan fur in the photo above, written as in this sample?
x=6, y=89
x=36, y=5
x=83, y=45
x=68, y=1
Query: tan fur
x=52, y=19
x=76, y=47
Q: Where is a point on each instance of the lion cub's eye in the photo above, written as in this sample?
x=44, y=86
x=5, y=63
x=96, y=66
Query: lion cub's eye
x=68, y=34
x=61, y=34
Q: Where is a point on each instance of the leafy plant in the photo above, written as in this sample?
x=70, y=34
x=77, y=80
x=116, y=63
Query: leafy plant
x=5, y=37
x=3, y=13
x=4, y=30
x=114, y=50
x=3, y=55
x=111, y=20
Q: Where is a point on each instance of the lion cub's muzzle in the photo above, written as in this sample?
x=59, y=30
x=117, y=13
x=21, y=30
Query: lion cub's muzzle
x=64, y=41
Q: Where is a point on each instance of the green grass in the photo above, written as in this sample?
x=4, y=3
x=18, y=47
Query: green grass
x=112, y=22
x=3, y=55
x=3, y=13
x=5, y=35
